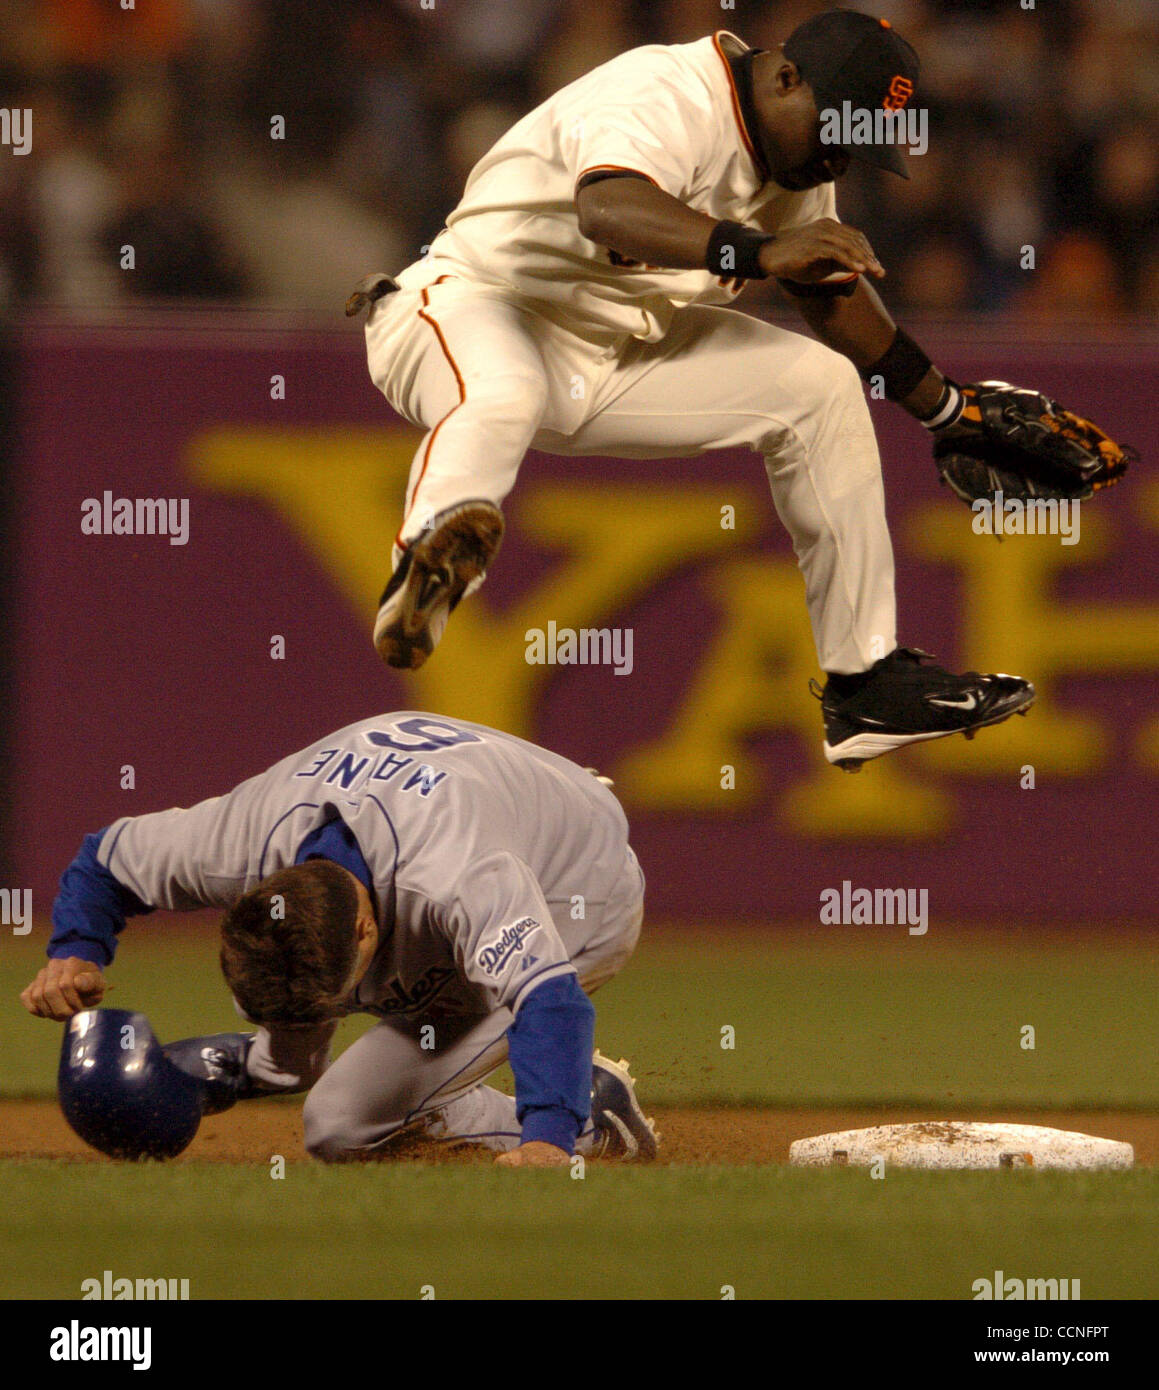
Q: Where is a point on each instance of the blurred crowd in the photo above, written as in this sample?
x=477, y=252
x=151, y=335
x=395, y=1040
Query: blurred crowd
x=152, y=126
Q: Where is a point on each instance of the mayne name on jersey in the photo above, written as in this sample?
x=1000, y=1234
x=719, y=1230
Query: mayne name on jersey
x=419, y=734
x=352, y=767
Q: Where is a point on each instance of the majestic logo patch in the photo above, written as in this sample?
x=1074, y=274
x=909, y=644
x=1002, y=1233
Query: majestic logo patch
x=493, y=959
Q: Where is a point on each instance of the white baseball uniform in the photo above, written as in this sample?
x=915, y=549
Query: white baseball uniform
x=517, y=332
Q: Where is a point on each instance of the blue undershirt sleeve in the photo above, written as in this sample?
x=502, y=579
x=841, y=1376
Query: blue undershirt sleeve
x=550, y=1052
x=90, y=908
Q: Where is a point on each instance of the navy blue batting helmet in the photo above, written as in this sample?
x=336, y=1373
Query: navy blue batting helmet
x=120, y=1092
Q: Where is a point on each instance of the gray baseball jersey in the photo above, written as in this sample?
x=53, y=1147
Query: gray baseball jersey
x=490, y=858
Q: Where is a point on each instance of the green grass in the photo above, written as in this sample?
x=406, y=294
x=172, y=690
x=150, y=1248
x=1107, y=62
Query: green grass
x=875, y=1017
x=855, y=1019
x=479, y=1232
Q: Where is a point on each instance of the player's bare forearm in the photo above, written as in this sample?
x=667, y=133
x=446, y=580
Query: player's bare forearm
x=861, y=328
x=641, y=222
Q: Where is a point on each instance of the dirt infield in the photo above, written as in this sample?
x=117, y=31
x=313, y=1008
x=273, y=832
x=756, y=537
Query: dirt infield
x=249, y=1134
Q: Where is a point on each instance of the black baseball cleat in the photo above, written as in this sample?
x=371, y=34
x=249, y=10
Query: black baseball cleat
x=435, y=571
x=622, y=1129
x=904, y=698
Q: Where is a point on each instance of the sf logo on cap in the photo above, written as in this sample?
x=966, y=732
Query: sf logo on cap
x=900, y=91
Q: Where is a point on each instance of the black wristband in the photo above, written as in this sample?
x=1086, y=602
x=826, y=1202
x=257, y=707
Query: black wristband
x=734, y=251
x=901, y=367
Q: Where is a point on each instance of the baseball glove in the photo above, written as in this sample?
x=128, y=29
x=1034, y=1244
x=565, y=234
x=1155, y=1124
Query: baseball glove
x=1025, y=445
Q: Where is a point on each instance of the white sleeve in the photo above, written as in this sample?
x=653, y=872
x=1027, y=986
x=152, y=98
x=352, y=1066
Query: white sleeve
x=655, y=132
x=828, y=202
x=501, y=930
x=811, y=206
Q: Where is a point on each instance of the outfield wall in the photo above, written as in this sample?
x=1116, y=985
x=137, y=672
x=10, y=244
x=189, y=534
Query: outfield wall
x=136, y=653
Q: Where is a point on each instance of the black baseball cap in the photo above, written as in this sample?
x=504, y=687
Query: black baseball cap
x=845, y=55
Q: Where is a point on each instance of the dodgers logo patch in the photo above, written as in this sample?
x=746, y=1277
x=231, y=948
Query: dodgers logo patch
x=494, y=959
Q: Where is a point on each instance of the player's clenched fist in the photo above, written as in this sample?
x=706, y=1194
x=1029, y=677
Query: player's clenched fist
x=535, y=1154
x=822, y=248
x=64, y=988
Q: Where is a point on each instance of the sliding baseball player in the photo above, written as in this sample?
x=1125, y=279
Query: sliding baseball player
x=468, y=889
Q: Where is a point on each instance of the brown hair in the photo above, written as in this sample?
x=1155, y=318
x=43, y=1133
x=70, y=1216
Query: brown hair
x=288, y=946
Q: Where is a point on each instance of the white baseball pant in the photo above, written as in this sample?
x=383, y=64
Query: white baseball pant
x=488, y=377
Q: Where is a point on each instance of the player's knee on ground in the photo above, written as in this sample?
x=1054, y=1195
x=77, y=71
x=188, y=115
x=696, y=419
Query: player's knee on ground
x=334, y=1134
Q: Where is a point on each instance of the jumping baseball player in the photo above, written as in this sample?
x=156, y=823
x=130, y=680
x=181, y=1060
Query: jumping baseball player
x=575, y=303
x=467, y=888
